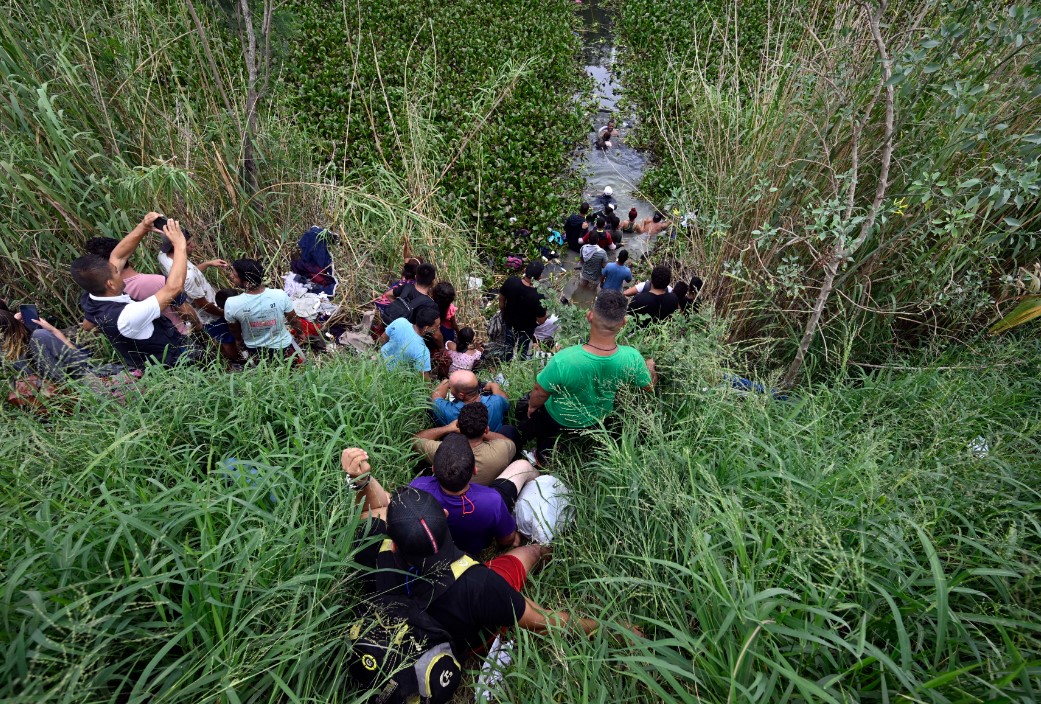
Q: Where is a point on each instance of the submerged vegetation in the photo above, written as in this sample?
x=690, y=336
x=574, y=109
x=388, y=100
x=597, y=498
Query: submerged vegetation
x=871, y=537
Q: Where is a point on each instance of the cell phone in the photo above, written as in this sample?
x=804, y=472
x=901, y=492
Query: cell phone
x=159, y=223
x=29, y=314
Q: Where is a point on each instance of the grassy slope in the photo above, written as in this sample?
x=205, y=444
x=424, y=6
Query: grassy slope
x=846, y=542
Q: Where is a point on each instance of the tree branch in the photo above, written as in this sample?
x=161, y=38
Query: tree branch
x=840, y=252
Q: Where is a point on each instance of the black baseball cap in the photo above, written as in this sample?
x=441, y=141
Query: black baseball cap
x=417, y=524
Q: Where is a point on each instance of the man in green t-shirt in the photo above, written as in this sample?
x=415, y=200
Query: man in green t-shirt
x=577, y=388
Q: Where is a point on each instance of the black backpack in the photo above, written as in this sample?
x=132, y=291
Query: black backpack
x=398, y=649
x=406, y=304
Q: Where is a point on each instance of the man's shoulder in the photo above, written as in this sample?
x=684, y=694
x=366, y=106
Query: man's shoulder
x=398, y=326
x=427, y=484
x=446, y=405
x=629, y=355
x=491, y=400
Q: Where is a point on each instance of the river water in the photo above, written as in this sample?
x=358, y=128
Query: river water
x=619, y=166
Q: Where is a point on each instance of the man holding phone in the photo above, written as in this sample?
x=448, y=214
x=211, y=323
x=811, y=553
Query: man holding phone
x=137, y=329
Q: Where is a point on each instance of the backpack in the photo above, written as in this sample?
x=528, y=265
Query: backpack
x=404, y=305
x=399, y=650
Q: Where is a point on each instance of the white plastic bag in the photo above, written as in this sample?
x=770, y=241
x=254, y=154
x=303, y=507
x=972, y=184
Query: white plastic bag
x=543, y=509
x=500, y=656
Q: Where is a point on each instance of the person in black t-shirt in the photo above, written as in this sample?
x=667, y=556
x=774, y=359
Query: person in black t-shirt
x=482, y=600
x=521, y=306
x=656, y=302
x=575, y=227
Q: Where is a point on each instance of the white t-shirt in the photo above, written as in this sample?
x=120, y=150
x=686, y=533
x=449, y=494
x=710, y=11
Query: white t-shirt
x=262, y=317
x=135, y=321
x=644, y=285
x=195, y=286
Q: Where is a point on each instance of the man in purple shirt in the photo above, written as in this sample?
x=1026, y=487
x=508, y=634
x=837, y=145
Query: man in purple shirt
x=476, y=514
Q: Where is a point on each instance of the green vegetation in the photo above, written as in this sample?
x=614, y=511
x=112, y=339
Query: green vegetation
x=357, y=70
x=782, y=162
x=872, y=538
x=847, y=543
x=114, y=109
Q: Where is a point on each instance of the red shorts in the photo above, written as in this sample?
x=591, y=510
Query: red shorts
x=509, y=568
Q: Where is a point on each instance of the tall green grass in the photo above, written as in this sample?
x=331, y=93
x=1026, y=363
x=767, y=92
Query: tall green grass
x=768, y=124
x=846, y=545
x=111, y=110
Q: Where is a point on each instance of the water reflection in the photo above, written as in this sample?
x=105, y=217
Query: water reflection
x=618, y=166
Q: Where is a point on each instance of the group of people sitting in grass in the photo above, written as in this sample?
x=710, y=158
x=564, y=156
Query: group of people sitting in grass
x=474, y=466
x=424, y=540
x=150, y=318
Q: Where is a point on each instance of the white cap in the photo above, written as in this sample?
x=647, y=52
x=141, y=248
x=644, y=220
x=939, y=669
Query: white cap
x=608, y=191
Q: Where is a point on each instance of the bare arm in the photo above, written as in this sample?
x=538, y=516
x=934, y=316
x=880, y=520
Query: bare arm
x=293, y=321
x=52, y=330
x=179, y=268
x=236, y=331
x=123, y=251
x=502, y=301
x=441, y=391
x=653, y=369
x=373, y=497
x=495, y=389
x=211, y=308
x=631, y=291
x=438, y=433
x=188, y=314
x=538, y=620
x=537, y=399
x=213, y=262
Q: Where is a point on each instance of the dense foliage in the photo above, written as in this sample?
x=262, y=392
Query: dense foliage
x=780, y=159
x=851, y=542
x=360, y=71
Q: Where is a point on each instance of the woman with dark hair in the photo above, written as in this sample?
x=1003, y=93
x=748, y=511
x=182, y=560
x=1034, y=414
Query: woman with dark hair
x=408, y=276
x=44, y=351
x=443, y=294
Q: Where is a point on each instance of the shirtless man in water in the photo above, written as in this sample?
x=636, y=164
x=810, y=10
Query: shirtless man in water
x=653, y=225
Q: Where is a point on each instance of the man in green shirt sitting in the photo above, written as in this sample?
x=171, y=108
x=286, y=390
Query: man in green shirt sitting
x=576, y=389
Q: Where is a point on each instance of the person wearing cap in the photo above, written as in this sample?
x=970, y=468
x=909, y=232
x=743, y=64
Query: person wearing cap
x=520, y=303
x=480, y=601
x=576, y=389
x=606, y=198
x=477, y=514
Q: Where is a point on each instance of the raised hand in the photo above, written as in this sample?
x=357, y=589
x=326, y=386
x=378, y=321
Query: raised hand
x=355, y=461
